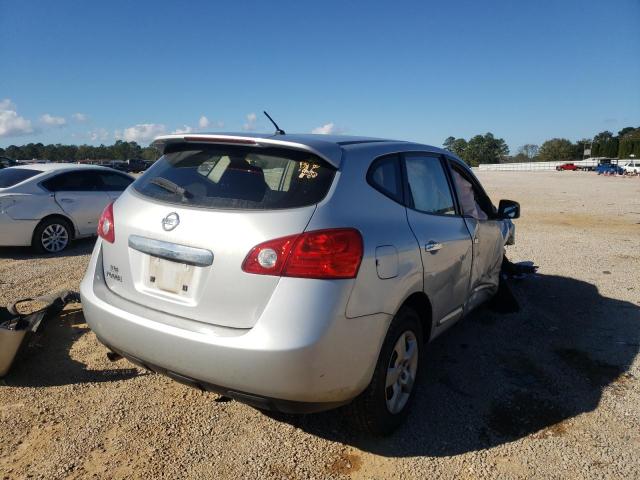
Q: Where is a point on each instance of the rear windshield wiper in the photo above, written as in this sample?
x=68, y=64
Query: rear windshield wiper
x=171, y=187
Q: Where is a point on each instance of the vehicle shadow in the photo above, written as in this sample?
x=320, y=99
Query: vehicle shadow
x=495, y=378
x=46, y=360
x=80, y=247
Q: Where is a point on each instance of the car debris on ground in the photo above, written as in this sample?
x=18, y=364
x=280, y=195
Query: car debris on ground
x=24, y=317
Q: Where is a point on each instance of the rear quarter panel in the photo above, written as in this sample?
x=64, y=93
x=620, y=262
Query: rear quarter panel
x=33, y=206
x=383, y=223
x=33, y=201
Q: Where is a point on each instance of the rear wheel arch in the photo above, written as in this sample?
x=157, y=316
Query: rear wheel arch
x=53, y=216
x=420, y=303
x=370, y=410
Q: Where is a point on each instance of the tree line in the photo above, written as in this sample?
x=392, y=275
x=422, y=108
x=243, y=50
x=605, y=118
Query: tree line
x=120, y=150
x=478, y=149
x=489, y=149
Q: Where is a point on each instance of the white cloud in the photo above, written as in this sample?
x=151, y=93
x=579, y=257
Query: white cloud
x=52, y=121
x=203, y=122
x=184, y=129
x=328, y=129
x=141, y=133
x=251, y=122
x=80, y=117
x=101, y=134
x=11, y=124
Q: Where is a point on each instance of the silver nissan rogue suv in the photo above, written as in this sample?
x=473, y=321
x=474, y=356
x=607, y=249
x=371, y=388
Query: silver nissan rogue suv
x=294, y=272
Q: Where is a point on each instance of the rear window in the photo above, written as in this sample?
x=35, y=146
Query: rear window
x=12, y=176
x=236, y=177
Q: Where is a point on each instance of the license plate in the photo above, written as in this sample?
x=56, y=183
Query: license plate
x=173, y=277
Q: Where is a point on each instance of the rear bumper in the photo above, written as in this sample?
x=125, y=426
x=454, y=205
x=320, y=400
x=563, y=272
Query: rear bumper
x=302, y=355
x=258, y=401
x=16, y=233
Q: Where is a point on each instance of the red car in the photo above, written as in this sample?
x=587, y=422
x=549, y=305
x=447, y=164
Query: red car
x=566, y=166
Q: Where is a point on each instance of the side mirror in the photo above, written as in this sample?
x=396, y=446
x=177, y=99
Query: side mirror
x=508, y=209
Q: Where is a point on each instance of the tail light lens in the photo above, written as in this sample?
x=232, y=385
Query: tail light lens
x=269, y=258
x=334, y=253
x=106, y=225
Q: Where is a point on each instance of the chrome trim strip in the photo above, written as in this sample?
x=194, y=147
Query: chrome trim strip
x=199, y=257
x=456, y=313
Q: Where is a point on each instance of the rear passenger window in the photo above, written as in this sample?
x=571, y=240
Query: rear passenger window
x=74, y=182
x=113, y=182
x=384, y=175
x=428, y=185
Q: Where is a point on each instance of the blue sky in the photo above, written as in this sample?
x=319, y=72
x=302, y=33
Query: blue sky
x=90, y=72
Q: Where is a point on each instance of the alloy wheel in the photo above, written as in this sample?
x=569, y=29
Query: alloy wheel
x=401, y=372
x=54, y=238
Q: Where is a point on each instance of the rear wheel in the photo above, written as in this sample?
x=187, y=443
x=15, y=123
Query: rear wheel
x=51, y=236
x=385, y=403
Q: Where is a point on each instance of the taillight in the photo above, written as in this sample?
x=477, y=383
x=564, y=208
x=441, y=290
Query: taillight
x=269, y=258
x=334, y=253
x=106, y=225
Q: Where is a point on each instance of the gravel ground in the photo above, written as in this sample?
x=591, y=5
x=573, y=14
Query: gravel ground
x=549, y=392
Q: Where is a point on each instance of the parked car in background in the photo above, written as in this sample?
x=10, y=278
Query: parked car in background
x=136, y=165
x=631, y=167
x=48, y=205
x=6, y=162
x=609, y=167
x=566, y=166
x=295, y=272
x=130, y=166
x=116, y=165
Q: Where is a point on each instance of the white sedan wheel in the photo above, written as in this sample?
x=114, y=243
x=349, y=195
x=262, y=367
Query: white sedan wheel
x=54, y=238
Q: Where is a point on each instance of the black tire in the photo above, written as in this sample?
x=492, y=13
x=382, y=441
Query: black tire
x=56, y=223
x=369, y=410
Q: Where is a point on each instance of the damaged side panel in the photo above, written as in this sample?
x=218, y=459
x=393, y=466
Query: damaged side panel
x=24, y=215
x=488, y=251
x=33, y=207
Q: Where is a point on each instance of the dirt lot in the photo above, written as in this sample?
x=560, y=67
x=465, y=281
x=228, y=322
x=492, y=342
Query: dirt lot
x=550, y=392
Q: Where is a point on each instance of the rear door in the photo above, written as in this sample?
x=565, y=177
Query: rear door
x=184, y=229
x=79, y=194
x=442, y=234
x=486, y=233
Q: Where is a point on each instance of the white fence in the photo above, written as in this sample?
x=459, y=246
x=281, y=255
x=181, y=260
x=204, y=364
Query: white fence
x=535, y=166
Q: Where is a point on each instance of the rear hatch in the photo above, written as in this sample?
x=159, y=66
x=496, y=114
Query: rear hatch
x=185, y=227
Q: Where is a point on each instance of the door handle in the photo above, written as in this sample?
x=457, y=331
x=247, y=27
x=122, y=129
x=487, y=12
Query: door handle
x=432, y=246
x=67, y=200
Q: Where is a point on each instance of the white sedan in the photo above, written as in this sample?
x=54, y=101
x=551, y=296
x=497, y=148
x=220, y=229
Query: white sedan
x=47, y=205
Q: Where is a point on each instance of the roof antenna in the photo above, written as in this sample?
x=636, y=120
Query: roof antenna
x=279, y=131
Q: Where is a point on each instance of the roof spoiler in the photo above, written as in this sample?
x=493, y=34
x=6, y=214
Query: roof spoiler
x=330, y=152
